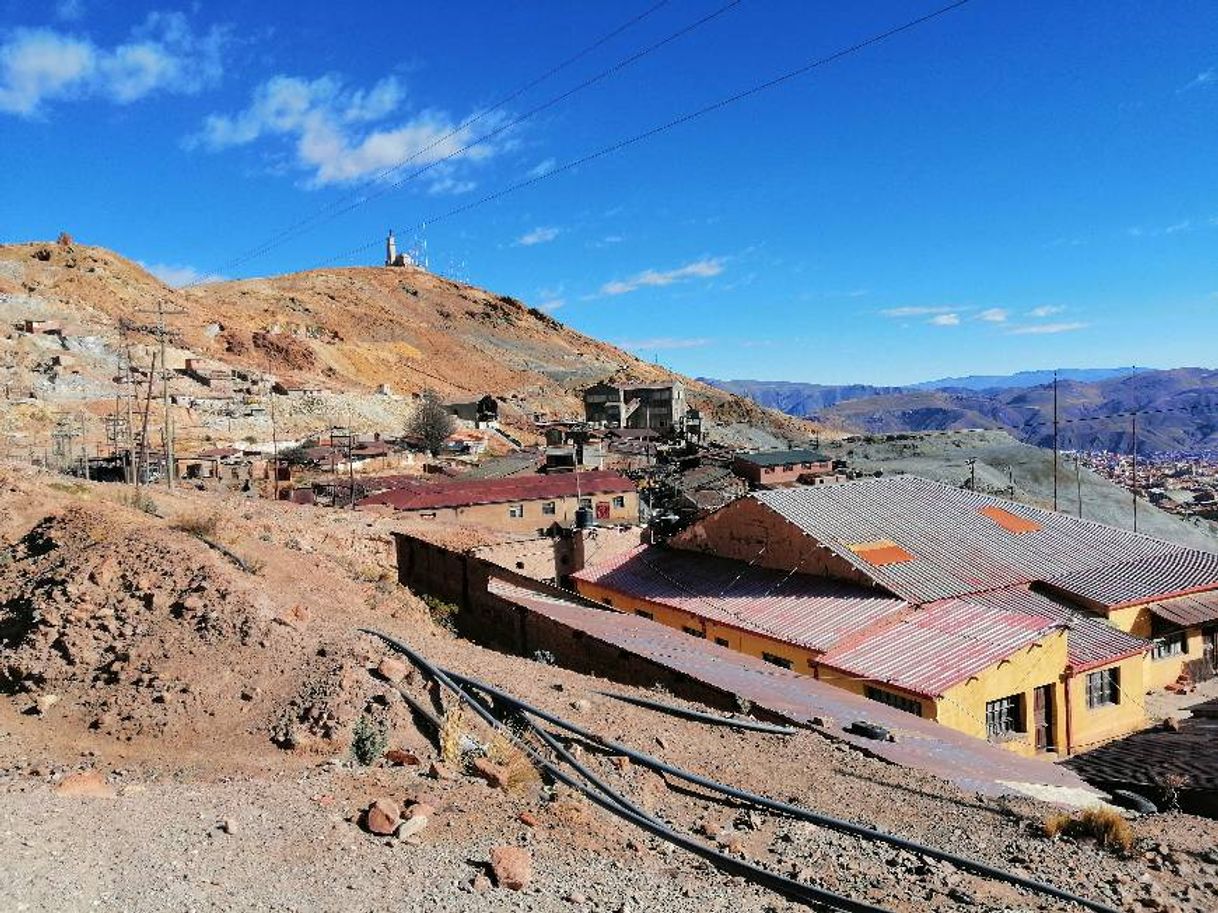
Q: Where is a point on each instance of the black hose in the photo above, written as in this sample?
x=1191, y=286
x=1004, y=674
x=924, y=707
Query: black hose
x=699, y=716
x=613, y=802
x=963, y=862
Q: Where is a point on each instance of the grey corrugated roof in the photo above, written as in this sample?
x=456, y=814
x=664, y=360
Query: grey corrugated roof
x=812, y=612
x=782, y=457
x=1188, y=611
x=957, y=549
x=1133, y=582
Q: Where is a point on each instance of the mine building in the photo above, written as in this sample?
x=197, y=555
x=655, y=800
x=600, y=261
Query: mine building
x=1032, y=629
x=479, y=413
x=657, y=406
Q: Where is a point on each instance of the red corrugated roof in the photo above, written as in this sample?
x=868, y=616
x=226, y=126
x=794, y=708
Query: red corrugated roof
x=812, y=612
x=464, y=493
x=1190, y=610
x=929, y=650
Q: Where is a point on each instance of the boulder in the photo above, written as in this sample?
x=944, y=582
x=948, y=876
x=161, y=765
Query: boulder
x=489, y=771
x=392, y=670
x=513, y=867
x=86, y=783
x=401, y=757
x=382, y=817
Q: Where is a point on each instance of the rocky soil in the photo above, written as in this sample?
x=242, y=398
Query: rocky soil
x=175, y=733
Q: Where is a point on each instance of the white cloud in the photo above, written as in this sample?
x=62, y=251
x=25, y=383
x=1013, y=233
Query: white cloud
x=1046, y=310
x=539, y=235
x=326, y=123
x=993, y=315
x=663, y=342
x=162, y=55
x=945, y=320
x=915, y=311
x=178, y=276
x=699, y=269
x=552, y=305
x=1204, y=78
x=541, y=168
x=1038, y=329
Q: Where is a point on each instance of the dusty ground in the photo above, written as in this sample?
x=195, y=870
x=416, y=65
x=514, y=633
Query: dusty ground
x=204, y=694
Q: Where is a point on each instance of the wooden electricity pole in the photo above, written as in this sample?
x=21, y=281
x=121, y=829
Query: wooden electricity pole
x=1134, y=426
x=161, y=312
x=1055, y=427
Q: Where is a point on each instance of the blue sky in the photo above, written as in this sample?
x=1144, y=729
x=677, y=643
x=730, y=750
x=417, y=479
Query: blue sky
x=1013, y=185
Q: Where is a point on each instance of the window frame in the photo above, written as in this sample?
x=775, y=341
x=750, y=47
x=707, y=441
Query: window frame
x=1103, y=688
x=892, y=699
x=775, y=660
x=1011, y=708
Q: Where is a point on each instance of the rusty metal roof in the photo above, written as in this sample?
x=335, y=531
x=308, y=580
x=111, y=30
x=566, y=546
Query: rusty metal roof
x=1090, y=641
x=971, y=763
x=1135, y=582
x=812, y=612
x=928, y=650
x=1188, y=611
x=956, y=549
x=465, y=493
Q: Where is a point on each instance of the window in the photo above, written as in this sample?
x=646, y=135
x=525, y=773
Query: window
x=549, y=508
x=516, y=510
x=1174, y=643
x=908, y=704
x=780, y=661
x=1004, y=717
x=1103, y=687
x=428, y=515
x=721, y=641
x=619, y=501
x=585, y=502
x=694, y=632
x=642, y=614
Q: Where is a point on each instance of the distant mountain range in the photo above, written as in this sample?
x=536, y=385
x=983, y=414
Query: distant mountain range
x=1177, y=408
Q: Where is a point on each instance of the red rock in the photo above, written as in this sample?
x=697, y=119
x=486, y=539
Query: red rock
x=382, y=816
x=392, y=670
x=402, y=757
x=528, y=819
x=420, y=810
x=513, y=867
x=489, y=771
x=621, y=762
x=439, y=771
x=87, y=783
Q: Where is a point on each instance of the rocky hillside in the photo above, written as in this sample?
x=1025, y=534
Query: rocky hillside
x=347, y=331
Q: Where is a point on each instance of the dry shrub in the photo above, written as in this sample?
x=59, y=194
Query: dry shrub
x=1105, y=825
x=203, y=526
x=519, y=773
x=450, y=735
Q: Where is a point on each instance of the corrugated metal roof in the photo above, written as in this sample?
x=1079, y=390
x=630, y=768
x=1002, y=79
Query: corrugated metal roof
x=812, y=612
x=957, y=550
x=464, y=493
x=782, y=457
x=1090, y=641
x=1187, y=611
x=922, y=744
x=930, y=649
x=1135, y=582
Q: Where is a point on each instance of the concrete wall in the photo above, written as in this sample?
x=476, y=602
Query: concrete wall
x=1158, y=673
x=1092, y=726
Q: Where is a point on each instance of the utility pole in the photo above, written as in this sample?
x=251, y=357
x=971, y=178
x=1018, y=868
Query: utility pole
x=274, y=443
x=142, y=462
x=168, y=429
x=972, y=465
x=1078, y=478
x=1055, y=440
x=1134, y=424
x=84, y=447
x=130, y=393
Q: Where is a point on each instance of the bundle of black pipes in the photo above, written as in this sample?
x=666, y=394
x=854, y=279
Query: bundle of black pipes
x=612, y=801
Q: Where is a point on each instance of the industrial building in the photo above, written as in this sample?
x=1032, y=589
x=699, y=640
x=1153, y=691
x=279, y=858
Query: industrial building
x=1032, y=629
x=657, y=406
x=529, y=503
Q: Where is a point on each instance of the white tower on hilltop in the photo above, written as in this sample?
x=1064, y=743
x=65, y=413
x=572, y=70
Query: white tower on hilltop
x=391, y=250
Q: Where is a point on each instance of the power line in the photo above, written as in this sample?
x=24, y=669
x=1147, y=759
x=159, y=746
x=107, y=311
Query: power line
x=671, y=124
x=381, y=191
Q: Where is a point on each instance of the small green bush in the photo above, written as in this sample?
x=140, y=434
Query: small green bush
x=137, y=500
x=369, y=740
x=443, y=613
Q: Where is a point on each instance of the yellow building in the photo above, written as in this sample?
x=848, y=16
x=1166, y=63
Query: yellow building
x=1033, y=629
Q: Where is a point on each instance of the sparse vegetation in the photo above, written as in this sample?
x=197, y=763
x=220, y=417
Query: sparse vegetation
x=450, y=734
x=442, y=613
x=1105, y=825
x=76, y=489
x=201, y=526
x=431, y=422
x=519, y=773
x=137, y=500
x=369, y=740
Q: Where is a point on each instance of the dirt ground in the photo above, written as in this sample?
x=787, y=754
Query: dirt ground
x=215, y=707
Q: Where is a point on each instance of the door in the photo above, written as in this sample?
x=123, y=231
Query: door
x=602, y=510
x=1042, y=717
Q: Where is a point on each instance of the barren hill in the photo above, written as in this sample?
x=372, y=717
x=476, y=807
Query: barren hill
x=348, y=331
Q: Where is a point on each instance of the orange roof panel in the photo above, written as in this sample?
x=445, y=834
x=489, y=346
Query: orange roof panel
x=881, y=552
x=1012, y=523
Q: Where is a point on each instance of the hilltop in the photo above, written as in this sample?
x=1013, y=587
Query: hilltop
x=350, y=332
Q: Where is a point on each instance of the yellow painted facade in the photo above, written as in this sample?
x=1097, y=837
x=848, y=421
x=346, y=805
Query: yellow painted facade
x=962, y=707
x=1158, y=673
